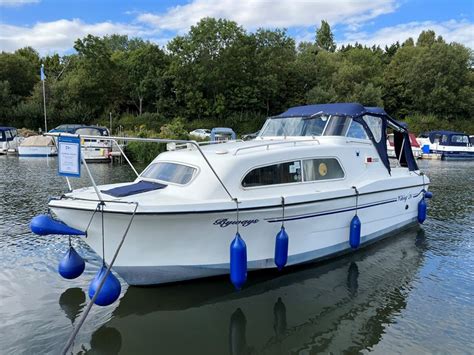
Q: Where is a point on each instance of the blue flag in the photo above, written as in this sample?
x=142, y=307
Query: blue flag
x=42, y=73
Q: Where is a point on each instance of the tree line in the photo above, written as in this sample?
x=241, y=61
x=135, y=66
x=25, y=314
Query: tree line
x=218, y=74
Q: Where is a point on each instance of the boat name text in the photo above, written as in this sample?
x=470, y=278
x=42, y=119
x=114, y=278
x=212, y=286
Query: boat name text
x=404, y=197
x=224, y=222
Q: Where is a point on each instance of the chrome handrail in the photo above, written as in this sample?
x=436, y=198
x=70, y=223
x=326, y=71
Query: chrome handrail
x=294, y=142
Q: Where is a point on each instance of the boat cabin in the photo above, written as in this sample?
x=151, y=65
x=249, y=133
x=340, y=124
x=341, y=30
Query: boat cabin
x=9, y=140
x=449, y=138
x=350, y=120
x=8, y=134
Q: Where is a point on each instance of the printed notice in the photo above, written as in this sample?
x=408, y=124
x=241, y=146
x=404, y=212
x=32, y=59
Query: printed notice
x=69, y=163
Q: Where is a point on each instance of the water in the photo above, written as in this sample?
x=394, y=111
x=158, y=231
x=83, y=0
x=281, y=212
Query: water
x=412, y=293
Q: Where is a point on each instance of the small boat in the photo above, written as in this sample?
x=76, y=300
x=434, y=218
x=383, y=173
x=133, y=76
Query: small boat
x=9, y=140
x=94, y=149
x=447, y=144
x=38, y=146
x=317, y=178
x=65, y=128
x=415, y=147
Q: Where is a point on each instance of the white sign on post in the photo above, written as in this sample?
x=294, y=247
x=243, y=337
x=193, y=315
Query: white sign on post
x=69, y=162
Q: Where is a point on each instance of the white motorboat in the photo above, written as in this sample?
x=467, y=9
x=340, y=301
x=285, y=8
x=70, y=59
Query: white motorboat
x=313, y=168
x=95, y=149
x=448, y=145
x=9, y=140
x=37, y=146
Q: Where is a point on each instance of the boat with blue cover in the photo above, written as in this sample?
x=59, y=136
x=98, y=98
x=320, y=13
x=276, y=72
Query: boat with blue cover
x=9, y=140
x=315, y=183
x=448, y=144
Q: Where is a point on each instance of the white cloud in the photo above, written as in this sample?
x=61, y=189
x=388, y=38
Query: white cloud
x=452, y=31
x=17, y=2
x=265, y=13
x=59, y=36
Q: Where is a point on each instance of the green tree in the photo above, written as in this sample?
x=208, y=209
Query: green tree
x=325, y=38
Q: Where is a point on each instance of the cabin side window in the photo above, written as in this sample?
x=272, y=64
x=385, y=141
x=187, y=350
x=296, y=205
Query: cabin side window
x=460, y=139
x=322, y=169
x=169, y=172
x=375, y=125
x=282, y=173
x=356, y=130
x=436, y=138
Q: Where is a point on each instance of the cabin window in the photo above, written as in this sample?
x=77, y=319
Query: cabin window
x=356, y=130
x=169, y=172
x=337, y=126
x=294, y=126
x=437, y=138
x=322, y=169
x=282, y=173
x=375, y=125
x=460, y=139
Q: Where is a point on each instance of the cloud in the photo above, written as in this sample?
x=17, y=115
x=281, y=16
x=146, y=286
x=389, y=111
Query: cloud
x=59, y=36
x=452, y=31
x=265, y=13
x=12, y=3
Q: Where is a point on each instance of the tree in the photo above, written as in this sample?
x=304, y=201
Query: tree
x=20, y=72
x=144, y=67
x=431, y=78
x=325, y=38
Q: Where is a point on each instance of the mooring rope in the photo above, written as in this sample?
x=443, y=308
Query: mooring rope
x=91, y=303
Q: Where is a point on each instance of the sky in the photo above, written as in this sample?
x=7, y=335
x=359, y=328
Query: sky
x=52, y=26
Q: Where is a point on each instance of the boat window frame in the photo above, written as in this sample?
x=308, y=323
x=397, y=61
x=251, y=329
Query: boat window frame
x=324, y=180
x=267, y=165
x=303, y=181
x=195, y=174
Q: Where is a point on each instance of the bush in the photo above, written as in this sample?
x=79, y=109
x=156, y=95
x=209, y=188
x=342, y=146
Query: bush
x=145, y=152
x=424, y=123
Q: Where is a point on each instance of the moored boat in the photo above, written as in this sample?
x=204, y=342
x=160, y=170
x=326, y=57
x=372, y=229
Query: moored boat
x=37, y=146
x=9, y=140
x=448, y=145
x=93, y=148
x=316, y=169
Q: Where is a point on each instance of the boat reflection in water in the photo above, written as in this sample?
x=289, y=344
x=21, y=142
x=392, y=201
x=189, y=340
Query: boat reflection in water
x=342, y=305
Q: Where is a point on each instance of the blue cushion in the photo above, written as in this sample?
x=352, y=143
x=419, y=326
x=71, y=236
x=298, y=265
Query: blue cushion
x=133, y=189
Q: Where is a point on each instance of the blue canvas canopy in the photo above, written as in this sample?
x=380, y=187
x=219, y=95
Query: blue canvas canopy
x=357, y=112
x=449, y=138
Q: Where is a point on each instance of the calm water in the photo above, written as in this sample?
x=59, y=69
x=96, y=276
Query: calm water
x=413, y=293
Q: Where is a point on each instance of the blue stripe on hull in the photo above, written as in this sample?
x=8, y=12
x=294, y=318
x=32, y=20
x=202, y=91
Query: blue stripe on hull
x=326, y=213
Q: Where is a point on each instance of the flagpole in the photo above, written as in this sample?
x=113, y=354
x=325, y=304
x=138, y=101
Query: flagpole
x=44, y=98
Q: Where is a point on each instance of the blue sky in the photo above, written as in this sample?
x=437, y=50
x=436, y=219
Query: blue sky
x=52, y=26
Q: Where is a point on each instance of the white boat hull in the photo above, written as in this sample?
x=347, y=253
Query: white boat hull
x=32, y=151
x=162, y=248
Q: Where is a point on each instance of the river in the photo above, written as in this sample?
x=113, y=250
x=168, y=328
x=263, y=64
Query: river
x=412, y=293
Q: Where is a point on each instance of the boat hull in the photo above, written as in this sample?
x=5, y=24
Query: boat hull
x=169, y=247
x=32, y=151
